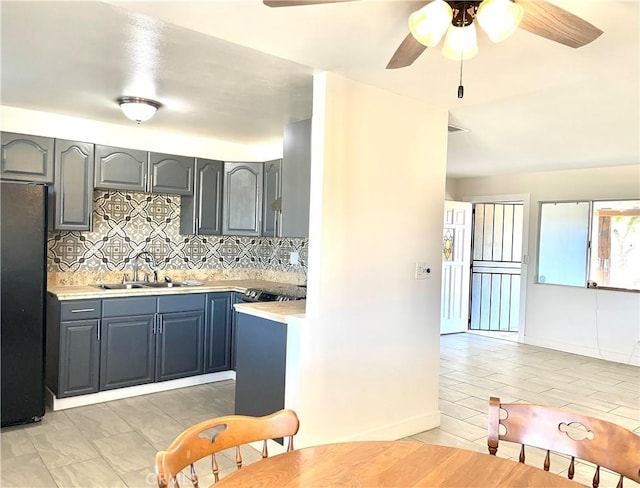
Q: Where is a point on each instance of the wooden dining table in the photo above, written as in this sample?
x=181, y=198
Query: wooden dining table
x=390, y=464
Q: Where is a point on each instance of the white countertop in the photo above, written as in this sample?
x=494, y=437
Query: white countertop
x=276, y=311
x=80, y=292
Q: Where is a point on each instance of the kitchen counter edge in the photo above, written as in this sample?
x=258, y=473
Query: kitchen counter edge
x=81, y=292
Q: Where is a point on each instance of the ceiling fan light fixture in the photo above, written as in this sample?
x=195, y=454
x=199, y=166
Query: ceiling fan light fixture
x=460, y=43
x=430, y=23
x=499, y=18
x=138, y=109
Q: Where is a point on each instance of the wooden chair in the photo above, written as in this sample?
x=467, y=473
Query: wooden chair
x=232, y=431
x=578, y=436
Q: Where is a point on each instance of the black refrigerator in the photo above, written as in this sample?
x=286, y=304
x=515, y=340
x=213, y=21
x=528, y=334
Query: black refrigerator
x=23, y=231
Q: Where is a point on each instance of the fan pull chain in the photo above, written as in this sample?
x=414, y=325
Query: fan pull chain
x=460, y=86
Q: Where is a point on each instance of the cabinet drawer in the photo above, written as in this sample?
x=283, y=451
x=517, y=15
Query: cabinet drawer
x=180, y=303
x=126, y=307
x=80, y=310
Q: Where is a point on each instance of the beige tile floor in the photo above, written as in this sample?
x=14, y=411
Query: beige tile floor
x=114, y=444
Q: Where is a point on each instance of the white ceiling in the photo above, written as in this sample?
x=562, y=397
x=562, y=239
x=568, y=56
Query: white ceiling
x=238, y=70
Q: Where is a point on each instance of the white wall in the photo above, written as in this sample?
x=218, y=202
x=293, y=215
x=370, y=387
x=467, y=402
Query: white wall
x=369, y=348
x=598, y=323
x=130, y=135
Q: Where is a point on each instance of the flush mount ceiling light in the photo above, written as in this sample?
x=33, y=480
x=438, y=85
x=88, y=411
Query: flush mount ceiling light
x=137, y=108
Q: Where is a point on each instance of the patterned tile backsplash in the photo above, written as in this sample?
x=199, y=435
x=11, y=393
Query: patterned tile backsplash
x=125, y=224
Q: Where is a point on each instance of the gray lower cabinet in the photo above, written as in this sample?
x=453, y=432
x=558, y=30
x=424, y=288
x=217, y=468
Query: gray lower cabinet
x=272, y=198
x=260, y=365
x=201, y=213
x=26, y=158
x=73, y=186
x=242, y=208
x=102, y=344
x=120, y=169
x=218, y=332
x=171, y=174
x=296, y=179
x=72, y=347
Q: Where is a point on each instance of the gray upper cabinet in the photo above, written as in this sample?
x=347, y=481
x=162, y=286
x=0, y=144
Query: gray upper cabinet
x=26, y=158
x=73, y=186
x=296, y=179
x=242, y=209
x=171, y=174
x=120, y=169
x=272, y=198
x=201, y=214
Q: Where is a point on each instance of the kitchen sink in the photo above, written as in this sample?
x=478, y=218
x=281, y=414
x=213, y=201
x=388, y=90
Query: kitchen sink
x=131, y=286
x=161, y=284
x=119, y=286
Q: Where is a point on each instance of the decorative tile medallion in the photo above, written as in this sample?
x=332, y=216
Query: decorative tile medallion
x=125, y=224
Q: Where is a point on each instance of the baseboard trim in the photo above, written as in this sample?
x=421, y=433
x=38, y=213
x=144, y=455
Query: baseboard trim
x=592, y=352
x=399, y=430
x=132, y=391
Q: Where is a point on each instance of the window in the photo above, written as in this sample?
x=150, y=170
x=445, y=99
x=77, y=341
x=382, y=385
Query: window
x=597, y=241
x=615, y=244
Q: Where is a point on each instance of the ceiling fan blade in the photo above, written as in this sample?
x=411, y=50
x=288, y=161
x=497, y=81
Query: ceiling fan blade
x=296, y=3
x=407, y=53
x=556, y=24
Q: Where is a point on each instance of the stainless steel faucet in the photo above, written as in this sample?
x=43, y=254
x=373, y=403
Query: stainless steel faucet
x=135, y=263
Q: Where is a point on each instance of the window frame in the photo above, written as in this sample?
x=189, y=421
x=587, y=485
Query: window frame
x=589, y=283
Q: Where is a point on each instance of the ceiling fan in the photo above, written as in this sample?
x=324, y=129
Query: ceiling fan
x=498, y=18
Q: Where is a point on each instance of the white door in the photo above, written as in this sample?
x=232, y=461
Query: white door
x=456, y=267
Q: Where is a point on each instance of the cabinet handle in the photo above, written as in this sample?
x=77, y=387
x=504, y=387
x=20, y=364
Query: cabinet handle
x=99, y=334
x=196, y=229
x=144, y=182
x=81, y=310
x=161, y=323
x=155, y=321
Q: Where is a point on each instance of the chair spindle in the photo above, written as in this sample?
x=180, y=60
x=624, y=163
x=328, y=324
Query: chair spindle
x=522, y=454
x=265, y=452
x=572, y=468
x=238, y=458
x=619, y=485
x=547, y=461
x=194, y=476
x=596, y=478
x=215, y=469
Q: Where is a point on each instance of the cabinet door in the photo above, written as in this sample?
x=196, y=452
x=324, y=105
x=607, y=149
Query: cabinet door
x=171, y=174
x=272, y=198
x=127, y=351
x=242, y=209
x=201, y=214
x=179, y=350
x=120, y=169
x=73, y=185
x=296, y=179
x=26, y=158
x=217, y=349
x=79, y=358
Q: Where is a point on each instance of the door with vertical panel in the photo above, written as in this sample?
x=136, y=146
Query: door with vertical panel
x=496, y=266
x=456, y=263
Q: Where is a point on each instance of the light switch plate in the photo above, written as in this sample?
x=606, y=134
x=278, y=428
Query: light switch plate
x=294, y=257
x=423, y=271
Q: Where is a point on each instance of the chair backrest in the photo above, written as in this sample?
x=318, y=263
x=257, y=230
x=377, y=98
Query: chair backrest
x=579, y=436
x=232, y=431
